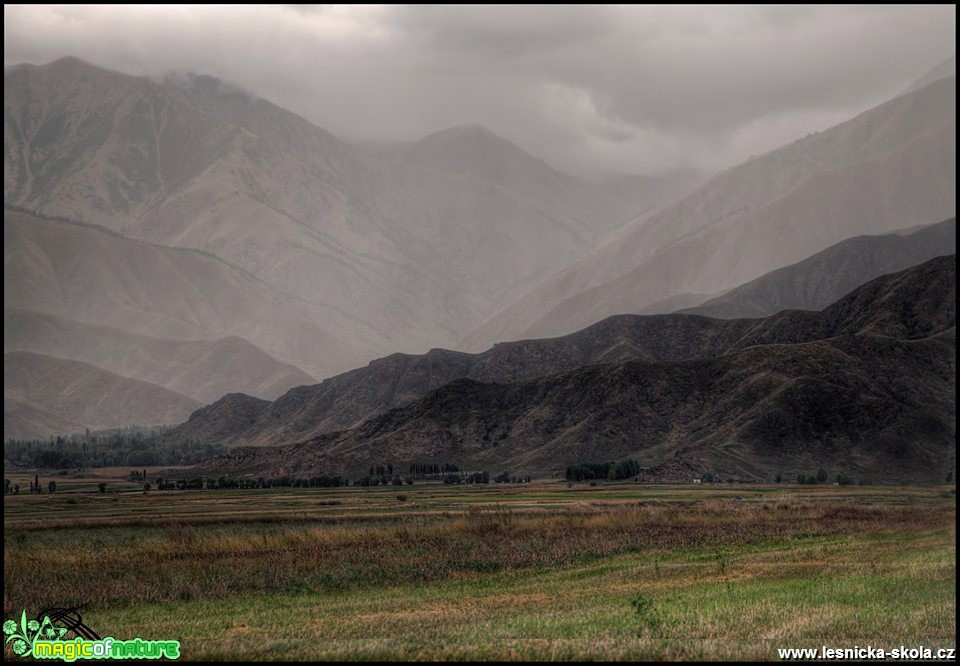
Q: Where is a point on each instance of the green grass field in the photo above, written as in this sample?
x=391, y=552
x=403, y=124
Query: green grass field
x=539, y=571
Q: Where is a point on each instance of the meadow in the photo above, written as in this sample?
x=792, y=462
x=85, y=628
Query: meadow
x=545, y=571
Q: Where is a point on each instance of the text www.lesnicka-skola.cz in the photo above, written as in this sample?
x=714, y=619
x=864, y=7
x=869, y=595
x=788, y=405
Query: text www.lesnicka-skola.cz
x=867, y=652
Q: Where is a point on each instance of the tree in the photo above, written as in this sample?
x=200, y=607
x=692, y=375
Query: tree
x=102, y=487
x=146, y=486
x=949, y=477
x=822, y=475
x=801, y=478
x=778, y=479
x=6, y=486
x=52, y=486
x=707, y=477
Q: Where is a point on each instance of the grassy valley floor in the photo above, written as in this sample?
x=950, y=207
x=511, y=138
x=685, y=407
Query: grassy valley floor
x=540, y=571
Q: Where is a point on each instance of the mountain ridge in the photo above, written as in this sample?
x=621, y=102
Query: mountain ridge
x=347, y=400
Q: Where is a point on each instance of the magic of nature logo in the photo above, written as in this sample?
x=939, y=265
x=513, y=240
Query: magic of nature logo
x=41, y=638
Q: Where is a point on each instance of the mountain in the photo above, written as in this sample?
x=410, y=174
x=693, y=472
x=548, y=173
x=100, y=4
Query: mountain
x=22, y=421
x=43, y=395
x=88, y=275
x=944, y=70
x=345, y=401
x=474, y=151
x=890, y=167
x=388, y=254
x=203, y=370
x=217, y=422
x=644, y=193
x=876, y=397
x=816, y=282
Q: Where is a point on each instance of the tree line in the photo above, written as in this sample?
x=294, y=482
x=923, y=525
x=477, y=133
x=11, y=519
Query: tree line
x=613, y=471
x=128, y=446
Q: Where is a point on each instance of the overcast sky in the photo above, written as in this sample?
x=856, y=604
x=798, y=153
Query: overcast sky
x=642, y=89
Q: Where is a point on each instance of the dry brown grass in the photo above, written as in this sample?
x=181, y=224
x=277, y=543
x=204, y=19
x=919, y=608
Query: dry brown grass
x=113, y=566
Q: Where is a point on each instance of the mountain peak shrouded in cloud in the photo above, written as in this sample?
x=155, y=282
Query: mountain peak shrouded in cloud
x=944, y=70
x=318, y=253
x=888, y=168
x=633, y=89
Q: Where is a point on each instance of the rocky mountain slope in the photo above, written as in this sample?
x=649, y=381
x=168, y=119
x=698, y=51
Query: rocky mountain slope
x=876, y=396
x=924, y=295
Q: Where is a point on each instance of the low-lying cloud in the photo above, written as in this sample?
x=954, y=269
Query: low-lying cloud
x=642, y=89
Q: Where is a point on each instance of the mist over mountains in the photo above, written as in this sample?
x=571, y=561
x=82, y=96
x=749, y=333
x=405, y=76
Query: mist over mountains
x=891, y=167
x=176, y=242
x=867, y=383
x=385, y=255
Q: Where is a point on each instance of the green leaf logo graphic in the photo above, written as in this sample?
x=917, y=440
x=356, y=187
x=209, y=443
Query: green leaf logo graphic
x=25, y=636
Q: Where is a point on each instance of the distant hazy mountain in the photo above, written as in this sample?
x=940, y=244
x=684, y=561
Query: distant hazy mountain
x=890, y=167
x=88, y=275
x=816, y=282
x=644, y=193
x=22, y=421
x=472, y=150
x=43, y=395
x=392, y=254
x=204, y=370
x=944, y=70
x=347, y=400
x=874, y=395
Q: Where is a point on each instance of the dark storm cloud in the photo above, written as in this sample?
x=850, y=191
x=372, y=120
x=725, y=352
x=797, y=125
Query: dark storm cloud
x=641, y=89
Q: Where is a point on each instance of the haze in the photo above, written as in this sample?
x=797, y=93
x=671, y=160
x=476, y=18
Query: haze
x=590, y=89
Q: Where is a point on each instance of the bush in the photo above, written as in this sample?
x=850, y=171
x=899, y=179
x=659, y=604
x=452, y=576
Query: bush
x=401, y=498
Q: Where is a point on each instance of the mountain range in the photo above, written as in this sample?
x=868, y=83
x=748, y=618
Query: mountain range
x=819, y=280
x=866, y=385
x=346, y=400
x=191, y=237
x=77, y=396
x=891, y=167
x=384, y=254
